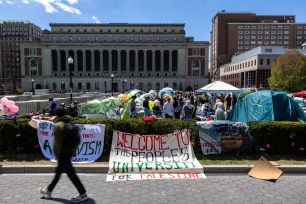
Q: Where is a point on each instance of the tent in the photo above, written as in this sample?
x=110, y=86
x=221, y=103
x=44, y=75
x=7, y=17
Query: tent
x=218, y=86
x=100, y=106
x=266, y=106
x=300, y=94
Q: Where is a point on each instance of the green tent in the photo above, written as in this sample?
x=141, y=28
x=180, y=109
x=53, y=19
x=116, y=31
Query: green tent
x=266, y=106
x=100, y=106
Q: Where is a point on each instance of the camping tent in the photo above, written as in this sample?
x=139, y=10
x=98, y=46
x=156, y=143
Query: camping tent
x=219, y=86
x=300, y=94
x=266, y=105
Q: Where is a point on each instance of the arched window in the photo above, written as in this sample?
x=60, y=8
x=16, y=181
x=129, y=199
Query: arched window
x=195, y=67
x=33, y=67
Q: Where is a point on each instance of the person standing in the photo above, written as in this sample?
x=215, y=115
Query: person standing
x=187, y=111
x=234, y=101
x=168, y=108
x=147, y=111
x=177, y=108
x=63, y=152
x=52, y=106
x=133, y=113
x=219, y=110
x=228, y=102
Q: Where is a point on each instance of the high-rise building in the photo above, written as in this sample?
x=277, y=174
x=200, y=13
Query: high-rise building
x=12, y=34
x=236, y=32
x=142, y=56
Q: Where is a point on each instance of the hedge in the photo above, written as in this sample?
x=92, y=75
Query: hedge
x=17, y=136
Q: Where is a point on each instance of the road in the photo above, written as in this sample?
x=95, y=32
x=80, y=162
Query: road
x=235, y=188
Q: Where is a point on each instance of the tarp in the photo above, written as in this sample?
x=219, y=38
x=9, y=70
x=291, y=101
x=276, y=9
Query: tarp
x=266, y=106
x=301, y=93
x=167, y=90
x=100, y=106
x=219, y=86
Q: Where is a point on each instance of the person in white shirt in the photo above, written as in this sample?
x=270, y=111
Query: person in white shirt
x=168, y=108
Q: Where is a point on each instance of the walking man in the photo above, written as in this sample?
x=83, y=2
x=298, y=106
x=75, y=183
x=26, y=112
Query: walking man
x=63, y=152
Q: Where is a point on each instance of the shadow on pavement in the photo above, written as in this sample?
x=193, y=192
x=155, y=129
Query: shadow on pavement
x=62, y=200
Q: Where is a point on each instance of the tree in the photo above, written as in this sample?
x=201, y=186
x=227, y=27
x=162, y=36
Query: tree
x=288, y=72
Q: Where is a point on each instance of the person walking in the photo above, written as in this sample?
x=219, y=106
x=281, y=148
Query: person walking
x=63, y=152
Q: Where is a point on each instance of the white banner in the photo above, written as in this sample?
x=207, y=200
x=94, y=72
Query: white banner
x=89, y=150
x=140, y=157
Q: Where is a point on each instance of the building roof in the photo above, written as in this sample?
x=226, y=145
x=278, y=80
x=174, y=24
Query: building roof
x=117, y=24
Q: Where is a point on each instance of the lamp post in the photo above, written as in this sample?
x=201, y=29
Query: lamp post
x=70, y=62
x=105, y=86
x=125, y=83
x=33, y=87
x=62, y=87
x=83, y=85
x=112, y=76
x=123, y=87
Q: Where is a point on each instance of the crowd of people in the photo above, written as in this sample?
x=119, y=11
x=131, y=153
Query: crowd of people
x=188, y=105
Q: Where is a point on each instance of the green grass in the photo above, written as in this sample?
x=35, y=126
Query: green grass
x=221, y=159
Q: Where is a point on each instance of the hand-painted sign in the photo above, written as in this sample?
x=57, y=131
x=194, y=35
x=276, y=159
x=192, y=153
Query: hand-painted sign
x=223, y=135
x=89, y=150
x=139, y=157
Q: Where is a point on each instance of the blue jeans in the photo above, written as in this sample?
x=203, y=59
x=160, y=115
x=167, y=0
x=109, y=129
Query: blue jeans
x=147, y=112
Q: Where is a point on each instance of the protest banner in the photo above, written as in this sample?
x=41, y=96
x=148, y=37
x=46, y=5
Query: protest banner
x=140, y=157
x=223, y=135
x=89, y=150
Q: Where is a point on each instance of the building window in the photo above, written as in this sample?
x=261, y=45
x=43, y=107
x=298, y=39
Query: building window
x=96, y=39
x=166, y=39
x=195, y=51
x=105, y=39
x=123, y=39
x=79, y=39
x=240, y=27
x=53, y=39
x=240, y=32
x=247, y=27
x=259, y=32
x=87, y=39
x=131, y=39
x=174, y=39
x=246, y=32
x=62, y=39
x=246, y=37
x=114, y=39
x=33, y=51
x=239, y=37
x=149, y=39
x=140, y=39
x=158, y=39
x=196, y=68
x=70, y=39
x=268, y=61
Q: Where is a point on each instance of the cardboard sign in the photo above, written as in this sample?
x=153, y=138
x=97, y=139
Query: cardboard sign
x=263, y=169
x=139, y=157
x=89, y=150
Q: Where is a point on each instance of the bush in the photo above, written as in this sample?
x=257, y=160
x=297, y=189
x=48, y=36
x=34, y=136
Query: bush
x=18, y=136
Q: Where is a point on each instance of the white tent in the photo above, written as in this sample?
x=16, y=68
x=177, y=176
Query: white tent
x=219, y=86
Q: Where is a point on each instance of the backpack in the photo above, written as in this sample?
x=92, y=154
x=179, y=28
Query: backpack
x=72, y=136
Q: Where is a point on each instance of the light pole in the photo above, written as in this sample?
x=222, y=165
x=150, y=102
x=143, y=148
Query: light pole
x=105, y=86
x=112, y=76
x=33, y=87
x=62, y=87
x=123, y=87
x=83, y=87
x=70, y=62
x=125, y=83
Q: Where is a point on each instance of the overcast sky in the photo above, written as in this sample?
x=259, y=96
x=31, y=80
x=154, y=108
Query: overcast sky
x=196, y=14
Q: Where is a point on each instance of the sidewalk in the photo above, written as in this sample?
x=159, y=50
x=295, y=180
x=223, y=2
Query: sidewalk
x=224, y=169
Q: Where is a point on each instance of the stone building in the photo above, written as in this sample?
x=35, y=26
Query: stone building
x=142, y=56
x=236, y=32
x=251, y=70
x=12, y=33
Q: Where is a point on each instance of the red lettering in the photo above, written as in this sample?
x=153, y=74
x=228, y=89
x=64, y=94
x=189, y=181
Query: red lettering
x=119, y=139
x=187, y=135
x=141, y=138
x=161, y=176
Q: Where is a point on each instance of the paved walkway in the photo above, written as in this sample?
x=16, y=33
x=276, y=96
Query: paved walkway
x=22, y=188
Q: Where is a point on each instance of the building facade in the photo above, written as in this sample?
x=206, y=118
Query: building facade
x=12, y=33
x=236, y=32
x=251, y=70
x=142, y=56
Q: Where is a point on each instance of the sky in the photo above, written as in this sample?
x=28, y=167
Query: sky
x=195, y=14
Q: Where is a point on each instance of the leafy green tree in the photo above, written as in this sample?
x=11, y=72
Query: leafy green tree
x=288, y=72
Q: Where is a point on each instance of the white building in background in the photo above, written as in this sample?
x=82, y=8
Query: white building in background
x=251, y=69
x=142, y=56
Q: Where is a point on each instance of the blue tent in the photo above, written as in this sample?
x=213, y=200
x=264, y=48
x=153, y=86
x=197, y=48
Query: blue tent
x=266, y=106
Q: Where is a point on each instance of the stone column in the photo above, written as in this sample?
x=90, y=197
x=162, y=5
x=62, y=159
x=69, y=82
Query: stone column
x=75, y=61
x=136, y=61
x=101, y=61
x=84, y=62
x=162, y=62
x=92, y=52
x=110, y=62
x=128, y=62
x=66, y=62
x=119, y=62
x=153, y=61
x=170, y=63
x=145, y=64
x=59, y=67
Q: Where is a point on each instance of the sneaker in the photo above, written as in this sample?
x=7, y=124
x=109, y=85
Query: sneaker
x=79, y=198
x=45, y=192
